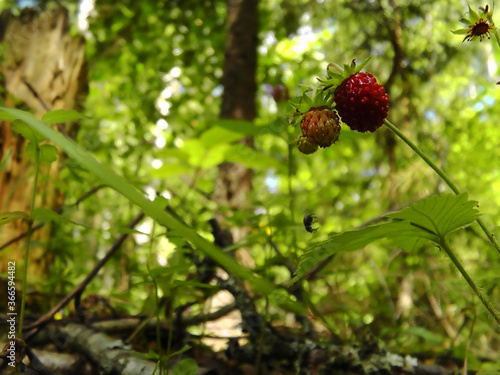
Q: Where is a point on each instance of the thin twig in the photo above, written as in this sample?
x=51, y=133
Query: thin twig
x=89, y=193
x=21, y=236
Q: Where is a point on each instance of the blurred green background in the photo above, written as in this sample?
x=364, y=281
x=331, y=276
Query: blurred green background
x=155, y=94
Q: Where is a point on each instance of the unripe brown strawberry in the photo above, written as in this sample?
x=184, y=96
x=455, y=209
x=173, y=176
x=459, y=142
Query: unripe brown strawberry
x=306, y=146
x=321, y=126
x=361, y=102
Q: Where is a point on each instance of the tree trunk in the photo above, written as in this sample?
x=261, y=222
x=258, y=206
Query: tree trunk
x=234, y=181
x=43, y=68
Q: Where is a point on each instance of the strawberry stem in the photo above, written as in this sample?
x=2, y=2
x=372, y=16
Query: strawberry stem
x=440, y=173
x=482, y=297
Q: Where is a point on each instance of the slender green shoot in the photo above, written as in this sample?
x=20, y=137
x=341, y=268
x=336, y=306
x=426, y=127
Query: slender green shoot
x=482, y=297
x=28, y=239
x=157, y=300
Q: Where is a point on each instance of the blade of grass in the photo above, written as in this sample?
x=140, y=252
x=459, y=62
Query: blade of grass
x=121, y=185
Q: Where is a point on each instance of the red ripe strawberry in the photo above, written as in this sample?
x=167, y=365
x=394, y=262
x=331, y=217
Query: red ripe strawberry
x=321, y=126
x=361, y=102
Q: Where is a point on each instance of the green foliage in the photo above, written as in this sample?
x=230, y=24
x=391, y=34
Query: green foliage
x=439, y=216
x=60, y=116
x=153, y=209
x=186, y=366
x=48, y=153
x=151, y=117
x=8, y=217
x=431, y=218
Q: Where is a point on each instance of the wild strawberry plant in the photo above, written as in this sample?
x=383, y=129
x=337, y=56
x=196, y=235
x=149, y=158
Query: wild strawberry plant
x=361, y=103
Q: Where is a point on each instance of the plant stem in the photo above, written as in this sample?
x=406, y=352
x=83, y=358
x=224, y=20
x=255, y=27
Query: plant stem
x=290, y=190
x=466, y=276
x=28, y=239
x=157, y=299
x=440, y=173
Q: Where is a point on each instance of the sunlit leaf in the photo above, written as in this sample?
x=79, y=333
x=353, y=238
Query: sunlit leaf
x=251, y=158
x=171, y=169
x=61, y=115
x=353, y=240
x=227, y=131
x=431, y=218
x=440, y=214
x=219, y=134
x=134, y=195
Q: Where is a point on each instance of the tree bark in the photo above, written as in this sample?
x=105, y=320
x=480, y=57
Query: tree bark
x=43, y=68
x=234, y=181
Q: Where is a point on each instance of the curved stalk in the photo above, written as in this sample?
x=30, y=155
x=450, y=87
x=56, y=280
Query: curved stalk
x=471, y=283
x=28, y=241
x=440, y=173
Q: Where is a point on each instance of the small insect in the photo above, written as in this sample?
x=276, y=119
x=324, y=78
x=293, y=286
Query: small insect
x=309, y=220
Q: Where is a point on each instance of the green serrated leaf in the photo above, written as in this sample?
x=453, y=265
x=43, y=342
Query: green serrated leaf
x=354, y=240
x=439, y=214
x=48, y=154
x=61, y=115
x=8, y=217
